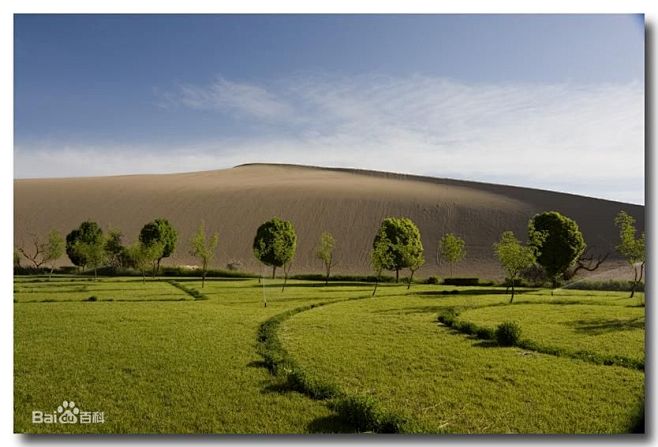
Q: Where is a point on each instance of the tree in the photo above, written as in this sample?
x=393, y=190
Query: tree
x=17, y=258
x=36, y=256
x=54, y=249
x=142, y=256
x=451, y=249
x=558, y=243
x=204, y=248
x=630, y=247
x=404, y=243
x=160, y=230
x=513, y=256
x=414, y=265
x=275, y=245
x=325, y=252
x=380, y=256
x=88, y=233
x=93, y=252
x=115, y=249
x=44, y=252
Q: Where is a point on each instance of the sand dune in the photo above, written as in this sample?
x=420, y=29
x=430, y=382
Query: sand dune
x=348, y=203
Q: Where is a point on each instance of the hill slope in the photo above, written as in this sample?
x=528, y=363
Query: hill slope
x=348, y=203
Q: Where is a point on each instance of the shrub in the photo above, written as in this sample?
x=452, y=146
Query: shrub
x=508, y=333
x=344, y=278
x=466, y=327
x=365, y=414
x=461, y=281
x=234, y=265
x=92, y=298
x=485, y=333
x=610, y=285
x=433, y=280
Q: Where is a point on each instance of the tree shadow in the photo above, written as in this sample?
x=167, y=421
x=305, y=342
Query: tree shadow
x=257, y=364
x=604, y=326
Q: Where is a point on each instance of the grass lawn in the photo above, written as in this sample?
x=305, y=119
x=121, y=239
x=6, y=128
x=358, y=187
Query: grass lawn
x=391, y=347
x=154, y=360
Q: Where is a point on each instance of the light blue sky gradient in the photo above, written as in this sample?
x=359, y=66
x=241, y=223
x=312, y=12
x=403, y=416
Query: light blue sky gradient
x=548, y=101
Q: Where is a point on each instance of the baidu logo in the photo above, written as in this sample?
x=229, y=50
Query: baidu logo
x=68, y=413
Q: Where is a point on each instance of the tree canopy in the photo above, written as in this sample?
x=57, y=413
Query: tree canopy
x=89, y=233
x=204, y=248
x=160, y=230
x=630, y=247
x=451, y=249
x=275, y=243
x=558, y=242
x=404, y=246
x=514, y=257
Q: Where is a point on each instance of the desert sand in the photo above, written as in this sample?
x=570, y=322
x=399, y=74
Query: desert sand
x=348, y=203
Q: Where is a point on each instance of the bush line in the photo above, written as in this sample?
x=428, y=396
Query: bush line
x=449, y=318
x=194, y=293
x=365, y=413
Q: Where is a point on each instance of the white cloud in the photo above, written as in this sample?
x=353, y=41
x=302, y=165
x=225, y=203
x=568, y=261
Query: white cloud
x=585, y=139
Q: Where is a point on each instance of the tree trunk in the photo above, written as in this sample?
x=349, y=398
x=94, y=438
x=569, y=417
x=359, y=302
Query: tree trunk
x=376, y=282
x=285, y=280
x=326, y=280
x=411, y=278
x=397, y=275
x=157, y=270
x=512, y=298
x=273, y=271
x=634, y=282
x=95, y=273
x=144, y=276
x=52, y=267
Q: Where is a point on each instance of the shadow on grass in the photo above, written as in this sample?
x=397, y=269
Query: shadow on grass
x=108, y=300
x=279, y=283
x=485, y=343
x=603, y=326
x=329, y=424
x=409, y=310
x=500, y=291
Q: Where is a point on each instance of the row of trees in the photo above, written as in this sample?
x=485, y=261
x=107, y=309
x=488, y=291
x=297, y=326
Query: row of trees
x=555, y=245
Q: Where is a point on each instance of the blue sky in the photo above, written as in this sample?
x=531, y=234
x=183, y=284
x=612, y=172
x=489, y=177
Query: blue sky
x=546, y=101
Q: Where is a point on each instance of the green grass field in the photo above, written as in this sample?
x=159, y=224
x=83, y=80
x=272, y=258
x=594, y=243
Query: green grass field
x=155, y=360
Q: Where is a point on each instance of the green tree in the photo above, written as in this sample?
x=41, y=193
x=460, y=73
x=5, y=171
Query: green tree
x=54, y=249
x=275, y=245
x=88, y=233
x=160, y=230
x=404, y=243
x=380, y=256
x=141, y=256
x=513, y=256
x=115, y=249
x=414, y=264
x=325, y=252
x=17, y=258
x=630, y=247
x=204, y=248
x=451, y=249
x=92, y=251
x=558, y=243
